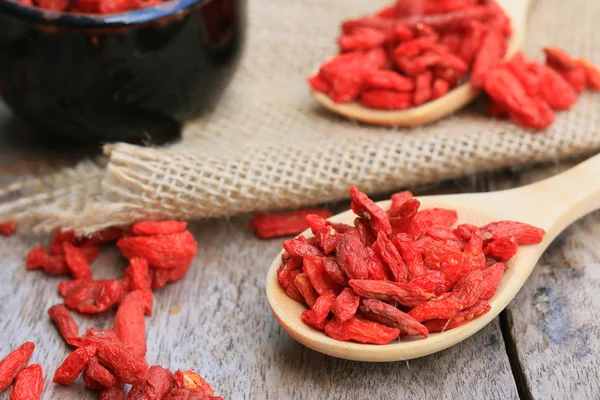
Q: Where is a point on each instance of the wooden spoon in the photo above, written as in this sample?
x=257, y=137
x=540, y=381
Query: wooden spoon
x=437, y=109
x=551, y=204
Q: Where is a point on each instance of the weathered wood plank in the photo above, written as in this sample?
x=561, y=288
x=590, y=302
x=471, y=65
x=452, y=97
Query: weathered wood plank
x=553, y=321
x=226, y=331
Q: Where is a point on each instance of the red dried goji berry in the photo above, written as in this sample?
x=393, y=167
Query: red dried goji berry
x=99, y=374
x=389, y=255
x=315, y=270
x=490, y=53
x=162, y=251
x=442, y=233
x=465, y=231
x=158, y=383
x=186, y=394
x=576, y=77
x=327, y=239
x=112, y=393
x=529, y=79
x=363, y=232
x=95, y=296
x=491, y=278
x=76, y=262
x=440, y=87
x=462, y=317
x=193, y=382
x=39, y=259
x=65, y=288
x=447, y=259
x=14, y=363
x=386, y=99
x=320, y=84
x=89, y=382
x=152, y=228
x=410, y=255
x=502, y=249
x=402, y=217
x=361, y=330
x=451, y=42
x=129, y=322
x=520, y=232
x=412, y=48
x=122, y=361
x=334, y=271
x=373, y=215
x=406, y=294
x=398, y=199
x=471, y=43
x=73, y=365
x=96, y=337
x=8, y=228
x=468, y=289
x=423, y=90
x=392, y=317
x=592, y=73
x=389, y=80
x=288, y=271
x=444, y=308
x=159, y=277
x=291, y=223
x=431, y=281
x=29, y=384
x=90, y=252
x=473, y=257
x=137, y=275
x=61, y=317
x=56, y=247
x=425, y=219
x=306, y=289
x=298, y=248
x=556, y=90
x=352, y=257
x=345, y=305
x=361, y=39
x=559, y=59
x=317, y=315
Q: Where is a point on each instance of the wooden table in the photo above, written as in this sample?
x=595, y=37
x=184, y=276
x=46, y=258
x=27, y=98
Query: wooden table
x=217, y=321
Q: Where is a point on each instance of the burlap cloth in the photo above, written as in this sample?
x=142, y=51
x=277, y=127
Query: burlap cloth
x=268, y=145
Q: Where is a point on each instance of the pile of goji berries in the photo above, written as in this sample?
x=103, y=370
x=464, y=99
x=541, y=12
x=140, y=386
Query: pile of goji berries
x=397, y=272
x=159, y=253
x=416, y=51
x=90, y=6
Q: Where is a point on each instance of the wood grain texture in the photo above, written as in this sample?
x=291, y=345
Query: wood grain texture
x=553, y=321
x=226, y=331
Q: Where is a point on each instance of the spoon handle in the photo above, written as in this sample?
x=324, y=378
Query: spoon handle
x=557, y=202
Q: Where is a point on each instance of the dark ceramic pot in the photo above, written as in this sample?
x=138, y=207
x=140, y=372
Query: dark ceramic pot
x=118, y=77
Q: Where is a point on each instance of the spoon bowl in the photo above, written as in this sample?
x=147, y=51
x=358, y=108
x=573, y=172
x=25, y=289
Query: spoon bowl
x=551, y=204
x=446, y=105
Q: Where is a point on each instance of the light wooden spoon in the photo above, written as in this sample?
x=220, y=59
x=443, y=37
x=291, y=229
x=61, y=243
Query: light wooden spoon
x=437, y=109
x=551, y=204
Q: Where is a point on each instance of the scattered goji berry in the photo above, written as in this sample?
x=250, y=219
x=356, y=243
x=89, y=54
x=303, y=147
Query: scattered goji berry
x=317, y=315
x=122, y=361
x=186, y=394
x=491, y=278
x=592, y=73
x=50, y=264
x=152, y=228
x=61, y=317
x=361, y=330
x=159, y=277
x=73, y=365
x=161, y=251
x=14, y=363
x=96, y=371
x=158, y=383
x=529, y=79
x=576, y=77
x=559, y=59
x=65, y=288
x=129, y=322
x=556, y=90
x=60, y=237
x=291, y=223
x=76, y=262
x=112, y=393
x=493, y=47
x=392, y=317
x=193, y=382
x=137, y=275
x=8, y=228
x=29, y=384
x=95, y=296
